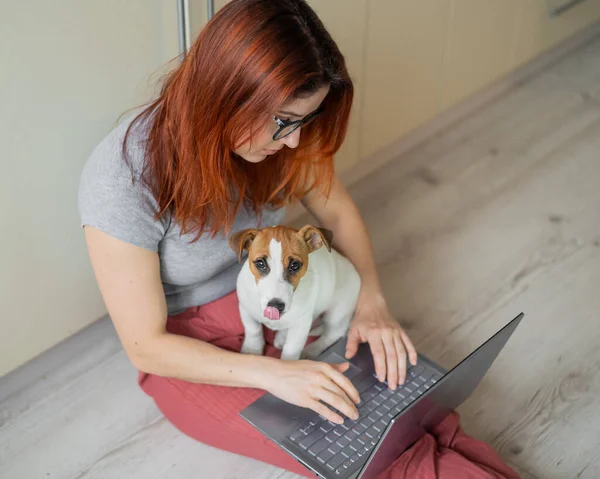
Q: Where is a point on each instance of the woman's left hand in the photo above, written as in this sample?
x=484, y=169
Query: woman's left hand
x=389, y=344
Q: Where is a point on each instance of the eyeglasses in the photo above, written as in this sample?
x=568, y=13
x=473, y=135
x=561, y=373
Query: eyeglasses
x=287, y=127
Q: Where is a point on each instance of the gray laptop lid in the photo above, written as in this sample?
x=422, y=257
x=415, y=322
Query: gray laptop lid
x=431, y=408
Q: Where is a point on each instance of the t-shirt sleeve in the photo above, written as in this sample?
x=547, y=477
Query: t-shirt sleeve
x=109, y=201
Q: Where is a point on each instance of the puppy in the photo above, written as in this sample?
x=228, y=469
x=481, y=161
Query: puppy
x=289, y=279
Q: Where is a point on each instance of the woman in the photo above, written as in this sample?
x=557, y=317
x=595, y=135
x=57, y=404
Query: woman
x=247, y=124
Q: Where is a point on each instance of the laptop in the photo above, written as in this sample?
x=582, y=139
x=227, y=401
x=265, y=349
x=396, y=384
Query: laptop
x=389, y=421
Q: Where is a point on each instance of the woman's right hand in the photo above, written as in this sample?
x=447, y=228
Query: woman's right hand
x=305, y=383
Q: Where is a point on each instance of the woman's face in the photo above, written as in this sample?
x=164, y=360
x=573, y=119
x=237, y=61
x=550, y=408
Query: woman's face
x=263, y=144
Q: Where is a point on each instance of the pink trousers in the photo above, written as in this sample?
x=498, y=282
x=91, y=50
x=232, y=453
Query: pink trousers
x=209, y=414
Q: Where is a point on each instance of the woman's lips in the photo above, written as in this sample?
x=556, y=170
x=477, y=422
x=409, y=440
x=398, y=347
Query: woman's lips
x=270, y=152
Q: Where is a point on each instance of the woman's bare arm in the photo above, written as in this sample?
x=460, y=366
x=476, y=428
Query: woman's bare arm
x=129, y=280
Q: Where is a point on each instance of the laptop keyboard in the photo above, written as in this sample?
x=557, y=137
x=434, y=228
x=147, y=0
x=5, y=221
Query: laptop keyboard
x=343, y=448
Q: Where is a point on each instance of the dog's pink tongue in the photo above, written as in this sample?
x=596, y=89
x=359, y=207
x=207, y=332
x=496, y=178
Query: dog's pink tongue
x=271, y=313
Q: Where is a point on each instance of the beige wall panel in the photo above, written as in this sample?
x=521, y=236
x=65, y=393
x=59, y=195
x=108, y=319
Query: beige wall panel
x=539, y=31
x=69, y=70
x=479, y=45
x=402, y=68
x=219, y=4
x=198, y=16
x=346, y=22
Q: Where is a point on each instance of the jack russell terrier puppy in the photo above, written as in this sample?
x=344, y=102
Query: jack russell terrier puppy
x=288, y=280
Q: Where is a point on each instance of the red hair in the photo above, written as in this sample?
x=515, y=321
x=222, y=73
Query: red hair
x=247, y=62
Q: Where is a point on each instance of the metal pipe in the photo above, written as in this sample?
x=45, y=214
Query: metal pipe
x=183, y=18
x=211, y=8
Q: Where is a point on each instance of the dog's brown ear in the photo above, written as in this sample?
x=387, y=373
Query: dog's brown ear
x=328, y=236
x=241, y=241
x=316, y=237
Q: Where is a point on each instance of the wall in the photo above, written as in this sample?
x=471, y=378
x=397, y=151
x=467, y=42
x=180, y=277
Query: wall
x=422, y=58
x=68, y=70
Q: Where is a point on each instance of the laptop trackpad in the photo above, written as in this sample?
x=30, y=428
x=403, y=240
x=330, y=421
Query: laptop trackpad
x=332, y=357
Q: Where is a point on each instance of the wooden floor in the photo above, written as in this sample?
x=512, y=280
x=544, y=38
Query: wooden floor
x=498, y=215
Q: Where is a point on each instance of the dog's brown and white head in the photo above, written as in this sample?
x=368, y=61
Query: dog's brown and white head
x=278, y=259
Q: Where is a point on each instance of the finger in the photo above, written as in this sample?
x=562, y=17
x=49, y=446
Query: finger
x=412, y=352
x=343, y=382
x=352, y=343
x=401, y=353
x=391, y=358
x=378, y=354
x=324, y=411
x=340, y=367
x=337, y=401
x=349, y=409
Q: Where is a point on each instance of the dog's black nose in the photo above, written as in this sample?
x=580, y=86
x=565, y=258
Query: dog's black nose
x=277, y=304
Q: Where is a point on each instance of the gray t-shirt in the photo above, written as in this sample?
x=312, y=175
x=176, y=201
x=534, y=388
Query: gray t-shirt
x=192, y=273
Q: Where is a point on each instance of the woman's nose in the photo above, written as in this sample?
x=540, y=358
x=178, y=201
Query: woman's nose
x=293, y=139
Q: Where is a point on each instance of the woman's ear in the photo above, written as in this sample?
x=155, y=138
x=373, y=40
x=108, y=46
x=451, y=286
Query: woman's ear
x=316, y=237
x=241, y=241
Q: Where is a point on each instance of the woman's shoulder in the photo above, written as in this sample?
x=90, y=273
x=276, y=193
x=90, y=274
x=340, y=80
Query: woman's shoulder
x=111, y=195
x=107, y=158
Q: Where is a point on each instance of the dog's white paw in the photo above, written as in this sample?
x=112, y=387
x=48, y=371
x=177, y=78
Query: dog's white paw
x=290, y=356
x=280, y=338
x=253, y=346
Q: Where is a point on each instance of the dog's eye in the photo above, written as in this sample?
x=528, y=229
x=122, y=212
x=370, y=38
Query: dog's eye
x=295, y=266
x=260, y=264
